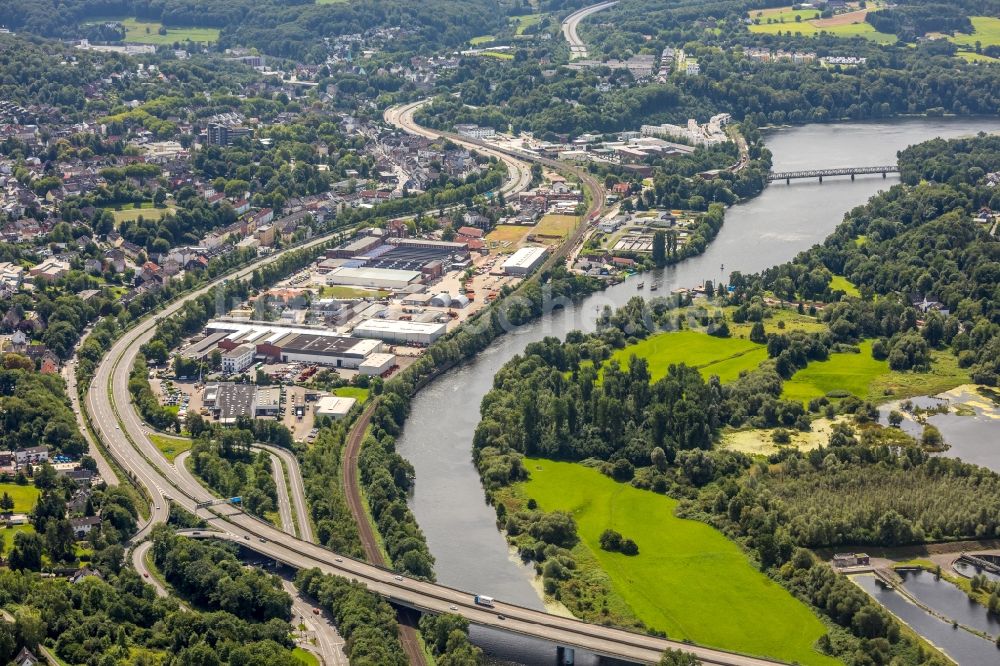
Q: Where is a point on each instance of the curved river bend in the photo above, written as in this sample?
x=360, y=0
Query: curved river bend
x=448, y=499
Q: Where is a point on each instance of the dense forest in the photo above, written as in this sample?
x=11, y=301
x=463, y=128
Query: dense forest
x=287, y=28
x=35, y=410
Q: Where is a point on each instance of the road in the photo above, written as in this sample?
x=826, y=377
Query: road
x=577, y=49
x=69, y=376
x=125, y=436
x=284, y=503
x=328, y=645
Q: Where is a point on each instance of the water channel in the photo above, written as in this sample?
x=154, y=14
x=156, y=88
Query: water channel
x=448, y=500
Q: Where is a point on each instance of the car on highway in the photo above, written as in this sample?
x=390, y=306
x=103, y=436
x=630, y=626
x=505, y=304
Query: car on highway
x=263, y=540
x=145, y=574
x=398, y=577
x=315, y=611
x=501, y=617
x=453, y=607
x=246, y=536
x=337, y=559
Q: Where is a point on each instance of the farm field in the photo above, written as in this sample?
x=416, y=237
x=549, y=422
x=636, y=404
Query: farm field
x=24, y=496
x=987, y=33
x=143, y=32
x=686, y=576
x=170, y=447
x=725, y=357
x=851, y=24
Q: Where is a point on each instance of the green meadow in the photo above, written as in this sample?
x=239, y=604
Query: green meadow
x=170, y=447
x=688, y=579
x=725, y=357
x=24, y=496
x=147, y=32
x=844, y=285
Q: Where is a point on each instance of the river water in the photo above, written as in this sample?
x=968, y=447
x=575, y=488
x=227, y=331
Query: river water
x=448, y=500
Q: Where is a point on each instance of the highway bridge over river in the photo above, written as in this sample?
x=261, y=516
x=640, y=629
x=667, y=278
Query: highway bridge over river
x=110, y=411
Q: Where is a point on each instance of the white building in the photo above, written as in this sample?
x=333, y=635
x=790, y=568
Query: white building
x=525, y=260
x=333, y=406
x=238, y=359
x=691, y=67
x=475, y=131
x=402, y=332
x=377, y=364
x=379, y=278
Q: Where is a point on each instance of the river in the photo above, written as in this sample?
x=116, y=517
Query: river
x=772, y=228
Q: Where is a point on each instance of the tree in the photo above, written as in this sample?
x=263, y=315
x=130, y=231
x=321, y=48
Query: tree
x=27, y=552
x=611, y=540
x=658, y=458
x=672, y=657
x=931, y=437
x=6, y=503
x=660, y=249
x=757, y=333
x=895, y=418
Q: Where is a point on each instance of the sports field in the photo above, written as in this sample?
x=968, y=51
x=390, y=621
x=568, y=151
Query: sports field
x=130, y=212
x=688, y=579
x=725, y=357
x=24, y=496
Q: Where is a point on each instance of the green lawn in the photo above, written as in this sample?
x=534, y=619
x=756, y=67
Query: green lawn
x=688, y=579
x=130, y=212
x=145, y=32
x=785, y=14
x=499, y=55
x=305, y=656
x=351, y=292
x=526, y=21
x=170, y=447
x=481, y=39
x=359, y=394
x=870, y=379
x=725, y=357
x=24, y=496
x=854, y=373
x=844, y=285
x=986, y=32
x=975, y=57
x=806, y=28
x=7, y=534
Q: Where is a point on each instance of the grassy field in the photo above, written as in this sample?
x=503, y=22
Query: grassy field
x=24, y=496
x=871, y=379
x=499, y=55
x=986, y=32
x=7, y=534
x=508, y=233
x=305, y=656
x=351, y=292
x=170, y=447
x=525, y=21
x=482, y=39
x=686, y=576
x=143, y=32
x=556, y=227
x=843, y=284
x=808, y=28
x=725, y=357
x=784, y=14
x=130, y=212
x=359, y=394
x=971, y=56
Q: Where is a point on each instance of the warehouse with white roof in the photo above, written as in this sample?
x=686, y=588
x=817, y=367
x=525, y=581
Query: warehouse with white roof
x=400, y=332
x=378, y=278
x=525, y=260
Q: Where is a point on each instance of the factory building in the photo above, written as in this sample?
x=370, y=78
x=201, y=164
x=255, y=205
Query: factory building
x=338, y=352
x=228, y=401
x=525, y=260
x=238, y=359
x=400, y=332
x=334, y=407
x=267, y=401
x=377, y=364
x=378, y=278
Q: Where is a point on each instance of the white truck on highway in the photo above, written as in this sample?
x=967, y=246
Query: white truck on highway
x=483, y=600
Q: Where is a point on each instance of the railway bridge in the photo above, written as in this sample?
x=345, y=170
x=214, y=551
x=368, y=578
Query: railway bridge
x=788, y=176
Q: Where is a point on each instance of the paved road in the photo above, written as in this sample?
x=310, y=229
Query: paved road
x=140, y=564
x=108, y=404
x=69, y=376
x=577, y=49
x=284, y=503
x=328, y=646
x=297, y=490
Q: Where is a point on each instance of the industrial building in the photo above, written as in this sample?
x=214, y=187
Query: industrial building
x=525, y=260
x=401, y=332
x=238, y=359
x=334, y=407
x=267, y=402
x=277, y=342
x=378, y=278
x=228, y=401
x=339, y=352
x=377, y=364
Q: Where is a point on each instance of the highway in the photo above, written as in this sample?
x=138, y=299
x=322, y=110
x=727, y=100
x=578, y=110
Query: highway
x=577, y=49
x=125, y=436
